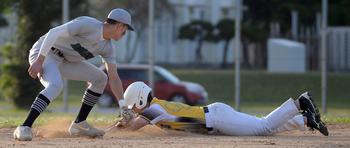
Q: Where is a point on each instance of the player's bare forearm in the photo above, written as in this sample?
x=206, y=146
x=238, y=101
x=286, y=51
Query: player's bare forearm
x=134, y=124
x=114, y=81
x=35, y=70
x=138, y=123
x=117, y=88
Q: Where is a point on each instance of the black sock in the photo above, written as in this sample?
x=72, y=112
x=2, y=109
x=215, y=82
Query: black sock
x=83, y=113
x=89, y=100
x=38, y=106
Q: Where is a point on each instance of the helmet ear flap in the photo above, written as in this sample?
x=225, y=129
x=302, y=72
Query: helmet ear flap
x=140, y=102
x=143, y=92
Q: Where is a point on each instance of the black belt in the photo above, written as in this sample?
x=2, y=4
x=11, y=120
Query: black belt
x=209, y=129
x=205, y=109
x=57, y=52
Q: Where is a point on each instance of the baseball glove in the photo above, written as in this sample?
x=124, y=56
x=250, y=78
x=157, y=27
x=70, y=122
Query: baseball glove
x=127, y=115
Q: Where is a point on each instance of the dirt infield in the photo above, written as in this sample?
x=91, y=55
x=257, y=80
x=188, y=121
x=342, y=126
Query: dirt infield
x=55, y=134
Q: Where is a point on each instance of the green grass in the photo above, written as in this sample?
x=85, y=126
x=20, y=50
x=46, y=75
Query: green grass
x=266, y=88
x=261, y=92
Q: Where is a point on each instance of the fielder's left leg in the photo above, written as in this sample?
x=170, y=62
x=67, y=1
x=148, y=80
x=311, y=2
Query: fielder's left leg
x=97, y=79
x=52, y=81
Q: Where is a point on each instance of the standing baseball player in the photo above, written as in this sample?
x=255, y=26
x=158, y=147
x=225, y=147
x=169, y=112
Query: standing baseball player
x=62, y=53
x=218, y=118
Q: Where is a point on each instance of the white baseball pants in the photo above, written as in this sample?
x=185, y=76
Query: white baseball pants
x=55, y=68
x=225, y=120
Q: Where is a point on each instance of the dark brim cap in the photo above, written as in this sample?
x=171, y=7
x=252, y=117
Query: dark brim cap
x=130, y=27
x=122, y=16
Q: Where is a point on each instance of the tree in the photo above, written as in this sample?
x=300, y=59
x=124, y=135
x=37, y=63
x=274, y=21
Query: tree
x=226, y=32
x=5, y=6
x=3, y=21
x=16, y=85
x=250, y=33
x=339, y=13
x=197, y=30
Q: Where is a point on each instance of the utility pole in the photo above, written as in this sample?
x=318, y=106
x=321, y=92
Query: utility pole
x=65, y=18
x=324, y=55
x=238, y=53
x=151, y=44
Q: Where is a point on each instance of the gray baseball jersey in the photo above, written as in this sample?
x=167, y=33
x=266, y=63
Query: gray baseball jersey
x=85, y=41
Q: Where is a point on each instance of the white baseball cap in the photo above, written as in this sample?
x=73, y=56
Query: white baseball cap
x=122, y=16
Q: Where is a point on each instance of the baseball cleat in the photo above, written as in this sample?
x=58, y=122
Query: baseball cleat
x=312, y=123
x=323, y=128
x=84, y=129
x=23, y=133
x=307, y=104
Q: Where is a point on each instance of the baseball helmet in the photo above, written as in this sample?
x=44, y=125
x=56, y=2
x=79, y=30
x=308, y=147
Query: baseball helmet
x=137, y=94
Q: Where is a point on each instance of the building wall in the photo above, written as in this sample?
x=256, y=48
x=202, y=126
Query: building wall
x=169, y=49
x=338, y=49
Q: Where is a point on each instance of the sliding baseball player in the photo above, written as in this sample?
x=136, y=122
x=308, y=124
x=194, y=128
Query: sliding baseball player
x=218, y=118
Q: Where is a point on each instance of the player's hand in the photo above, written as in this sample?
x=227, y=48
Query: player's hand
x=127, y=114
x=35, y=70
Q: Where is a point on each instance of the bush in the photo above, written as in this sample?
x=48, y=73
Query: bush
x=16, y=85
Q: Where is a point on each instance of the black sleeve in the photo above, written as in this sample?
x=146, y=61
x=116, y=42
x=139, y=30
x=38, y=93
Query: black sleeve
x=188, y=120
x=149, y=115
